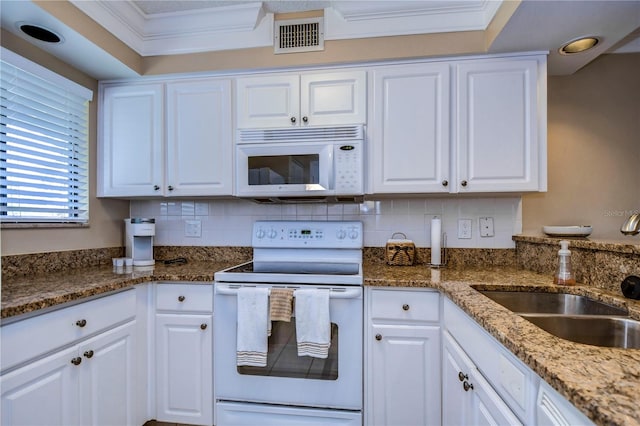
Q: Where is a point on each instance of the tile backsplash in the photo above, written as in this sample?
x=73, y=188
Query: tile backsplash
x=229, y=222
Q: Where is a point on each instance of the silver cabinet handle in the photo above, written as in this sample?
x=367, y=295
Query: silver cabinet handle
x=466, y=385
x=81, y=323
x=88, y=354
x=445, y=183
x=170, y=188
x=305, y=119
x=203, y=326
x=181, y=298
x=463, y=183
x=293, y=120
x=378, y=337
x=156, y=187
x=405, y=307
x=462, y=376
x=76, y=361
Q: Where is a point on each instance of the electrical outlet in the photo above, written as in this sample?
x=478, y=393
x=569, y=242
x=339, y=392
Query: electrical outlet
x=464, y=229
x=192, y=228
x=486, y=227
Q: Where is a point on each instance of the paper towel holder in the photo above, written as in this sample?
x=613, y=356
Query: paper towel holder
x=443, y=251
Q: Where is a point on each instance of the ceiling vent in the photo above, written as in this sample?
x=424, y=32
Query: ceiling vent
x=299, y=35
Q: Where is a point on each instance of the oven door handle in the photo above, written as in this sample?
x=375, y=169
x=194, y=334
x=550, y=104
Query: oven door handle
x=335, y=293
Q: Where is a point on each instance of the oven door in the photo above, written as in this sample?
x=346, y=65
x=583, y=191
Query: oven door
x=334, y=382
x=284, y=169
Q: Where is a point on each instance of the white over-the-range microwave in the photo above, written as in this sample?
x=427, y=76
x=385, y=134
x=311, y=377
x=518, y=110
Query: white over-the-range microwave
x=300, y=164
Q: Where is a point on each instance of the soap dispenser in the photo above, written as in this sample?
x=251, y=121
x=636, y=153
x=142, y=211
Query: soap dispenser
x=564, y=274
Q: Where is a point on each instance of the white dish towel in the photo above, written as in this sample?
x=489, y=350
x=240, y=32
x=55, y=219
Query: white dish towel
x=313, y=325
x=253, y=311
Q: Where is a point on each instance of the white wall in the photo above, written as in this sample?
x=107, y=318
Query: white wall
x=228, y=222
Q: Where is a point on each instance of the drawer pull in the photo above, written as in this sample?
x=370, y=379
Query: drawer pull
x=462, y=376
x=76, y=361
x=405, y=307
x=88, y=354
x=378, y=337
x=180, y=298
x=203, y=326
x=466, y=385
x=81, y=323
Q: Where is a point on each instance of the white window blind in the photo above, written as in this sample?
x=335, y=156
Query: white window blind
x=44, y=174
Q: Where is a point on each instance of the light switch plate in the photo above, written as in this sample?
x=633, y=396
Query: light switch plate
x=486, y=227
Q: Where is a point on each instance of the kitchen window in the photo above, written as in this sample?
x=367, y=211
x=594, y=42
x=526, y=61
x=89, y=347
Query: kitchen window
x=44, y=164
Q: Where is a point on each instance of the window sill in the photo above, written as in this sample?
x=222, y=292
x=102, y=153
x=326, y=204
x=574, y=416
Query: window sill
x=42, y=225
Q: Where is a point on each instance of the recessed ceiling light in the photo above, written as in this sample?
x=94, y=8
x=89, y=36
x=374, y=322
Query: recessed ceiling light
x=40, y=33
x=579, y=45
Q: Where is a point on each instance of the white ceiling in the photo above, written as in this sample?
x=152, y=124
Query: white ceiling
x=161, y=27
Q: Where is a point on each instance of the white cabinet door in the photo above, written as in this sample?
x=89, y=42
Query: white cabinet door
x=43, y=393
x=131, y=148
x=498, y=121
x=314, y=99
x=107, y=395
x=409, y=136
x=467, y=398
x=405, y=375
x=333, y=98
x=199, y=141
x=268, y=101
x=184, y=370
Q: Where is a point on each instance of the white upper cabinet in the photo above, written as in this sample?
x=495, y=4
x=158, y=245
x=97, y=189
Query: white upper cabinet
x=467, y=125
x=131, y=150
x=409, y=131
x=174, y=145
x=315, y=99
x=501, y=130
x=199, y=140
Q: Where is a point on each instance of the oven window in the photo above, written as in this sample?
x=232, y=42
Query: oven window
x=284, y=169
x=283, y=359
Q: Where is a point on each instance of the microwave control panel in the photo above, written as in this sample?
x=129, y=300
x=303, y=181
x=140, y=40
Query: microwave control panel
x=348, y=168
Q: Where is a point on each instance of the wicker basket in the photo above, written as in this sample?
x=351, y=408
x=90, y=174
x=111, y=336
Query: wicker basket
x=400, y=252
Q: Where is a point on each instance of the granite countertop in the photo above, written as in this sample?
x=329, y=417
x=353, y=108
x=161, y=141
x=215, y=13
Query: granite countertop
x=604, y=383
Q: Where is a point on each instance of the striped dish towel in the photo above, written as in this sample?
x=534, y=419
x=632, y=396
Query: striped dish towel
x=251, y=344
x=313, y=325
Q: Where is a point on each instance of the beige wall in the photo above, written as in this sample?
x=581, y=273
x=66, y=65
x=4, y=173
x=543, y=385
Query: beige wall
x=106, y=216
x=594, y=149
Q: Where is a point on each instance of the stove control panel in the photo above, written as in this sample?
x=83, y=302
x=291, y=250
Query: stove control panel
x=308, y=234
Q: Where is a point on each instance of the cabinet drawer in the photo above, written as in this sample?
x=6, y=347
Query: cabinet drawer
x=184, y=297
x=31, y=337
x=405, y=305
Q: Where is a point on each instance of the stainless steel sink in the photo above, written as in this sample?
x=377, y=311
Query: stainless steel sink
x=614, y=332
x=579, y=319
x=552, y=303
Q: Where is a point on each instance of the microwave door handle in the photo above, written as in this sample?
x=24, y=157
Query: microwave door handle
x=329, y=184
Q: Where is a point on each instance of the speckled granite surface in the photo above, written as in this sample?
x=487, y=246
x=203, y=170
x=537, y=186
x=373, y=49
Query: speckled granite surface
x=602, y=264
x=604, y=383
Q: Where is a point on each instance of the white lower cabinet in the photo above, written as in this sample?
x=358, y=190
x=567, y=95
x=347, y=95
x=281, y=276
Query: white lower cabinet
x=184, y=353
x=467, y=398
x=402, y=357
x=90, y=383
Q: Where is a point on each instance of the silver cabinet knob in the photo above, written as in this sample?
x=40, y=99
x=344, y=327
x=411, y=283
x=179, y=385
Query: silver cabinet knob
x=76, y=361
x=463, y=183
x=181, y=298
x=378, y=337
x=405, y=307
x=466, y=385
x=293, y=120
x=305, y=119
x=88, y=354
x=462, y=376
x=81, y=323
x=203, y=326
x=170, y=188
x=156, y=187
x=445, y=183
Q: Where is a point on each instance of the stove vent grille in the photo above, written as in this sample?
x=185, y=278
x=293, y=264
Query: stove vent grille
x=299, y=35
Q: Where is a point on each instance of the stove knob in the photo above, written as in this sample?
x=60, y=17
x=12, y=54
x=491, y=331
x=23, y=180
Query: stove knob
x=273, y=233
x=341, y=234
x=260, y=233
x=353, y=234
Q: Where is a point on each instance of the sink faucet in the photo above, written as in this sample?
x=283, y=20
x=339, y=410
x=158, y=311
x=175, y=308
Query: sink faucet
x=632, y=225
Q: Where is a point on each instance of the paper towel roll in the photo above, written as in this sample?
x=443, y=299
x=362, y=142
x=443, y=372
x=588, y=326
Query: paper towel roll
x=436, y=235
